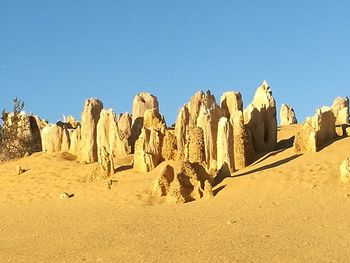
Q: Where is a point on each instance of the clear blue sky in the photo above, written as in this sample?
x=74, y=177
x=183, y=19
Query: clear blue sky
x=56, y=53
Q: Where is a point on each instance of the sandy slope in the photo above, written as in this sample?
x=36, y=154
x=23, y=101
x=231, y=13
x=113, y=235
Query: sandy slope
x=284, y=208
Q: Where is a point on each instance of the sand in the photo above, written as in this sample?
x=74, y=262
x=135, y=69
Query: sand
x=283, y=208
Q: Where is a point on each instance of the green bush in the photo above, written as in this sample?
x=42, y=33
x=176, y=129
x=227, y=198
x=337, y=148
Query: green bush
x=15, y=137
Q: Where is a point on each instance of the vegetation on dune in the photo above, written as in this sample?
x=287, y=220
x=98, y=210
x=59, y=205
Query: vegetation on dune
x=15, y=140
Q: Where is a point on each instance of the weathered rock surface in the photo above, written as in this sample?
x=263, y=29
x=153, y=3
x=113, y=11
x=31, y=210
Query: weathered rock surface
x=287, y=115
x=169, y=147
x=231, y=102
x=198, y=101
x=181, y=182
x=148, y=147
x=181, y=130
x=340, y=109
x=161, y=185
x=316, y=131
x=89, y=120
x=123, y=136
x=260, y=118
x=70, y=122
x=203, y=112
x=106, y=136
x=243, y=150
x=225, y=144
x=75, y=139
x=36, y=125
x=195, y=148
x=52, y=137
x=142, y=102
x=208, y=190
x=345, y=171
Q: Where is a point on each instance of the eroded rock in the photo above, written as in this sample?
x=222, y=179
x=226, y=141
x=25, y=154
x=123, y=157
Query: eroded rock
x=89, y=120
x=345, y=171
x=260, y=118
x=316, y=131
x=148, y=147
x=287, y=115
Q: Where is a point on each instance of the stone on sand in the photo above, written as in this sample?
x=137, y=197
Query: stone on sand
x=345, y=171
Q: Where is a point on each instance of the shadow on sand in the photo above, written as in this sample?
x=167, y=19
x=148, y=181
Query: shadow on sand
x=269, y=166
x=123, y=168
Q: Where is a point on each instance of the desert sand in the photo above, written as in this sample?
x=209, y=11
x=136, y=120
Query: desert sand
x=283, y=208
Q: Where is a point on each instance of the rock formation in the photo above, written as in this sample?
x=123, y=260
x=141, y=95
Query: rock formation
x=89, y=120
x=148, y=147
x=61, y=137
x=70, y=122
x=142, y=102
x=340, y=109
x=75, y=138
x=200, y=112
x=231, y=102
x=345, y=171
x=181, y=182
x=218, y=127
x=181, y=130
x=195, y=148
x=169, y=147
x=225, y=145
x=52, y=138
x=287, y=115
x=160, y=186
x=123, y=136
x=208, y=190
x=260, y=118
x=106, y=132
x=316, y=131
x=243, y=150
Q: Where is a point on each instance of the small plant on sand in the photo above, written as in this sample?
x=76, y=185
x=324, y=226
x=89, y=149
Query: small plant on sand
x=15, y=141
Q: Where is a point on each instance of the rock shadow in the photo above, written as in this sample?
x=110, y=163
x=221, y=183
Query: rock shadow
x=123, y=168
x=269, y=166
x=217, y=190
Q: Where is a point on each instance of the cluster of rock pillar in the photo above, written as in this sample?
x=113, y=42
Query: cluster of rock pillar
x=323, y=127
x=218, y=136
x=221, y=137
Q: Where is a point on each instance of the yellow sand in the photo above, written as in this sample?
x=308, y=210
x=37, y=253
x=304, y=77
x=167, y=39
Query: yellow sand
x=283, y=208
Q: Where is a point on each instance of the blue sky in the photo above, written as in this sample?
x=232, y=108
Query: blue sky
x=55, y=54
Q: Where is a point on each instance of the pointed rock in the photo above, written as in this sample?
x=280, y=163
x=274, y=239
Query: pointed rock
x=260, y=118
x=287, y=115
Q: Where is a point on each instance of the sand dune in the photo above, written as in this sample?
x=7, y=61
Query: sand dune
x=283, y=208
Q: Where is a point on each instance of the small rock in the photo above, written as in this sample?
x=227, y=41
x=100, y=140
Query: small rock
x=19, y=169
x=345, y=171
x=208, y=190
x=231, y=222
x=109, y=184
x=65, y=195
